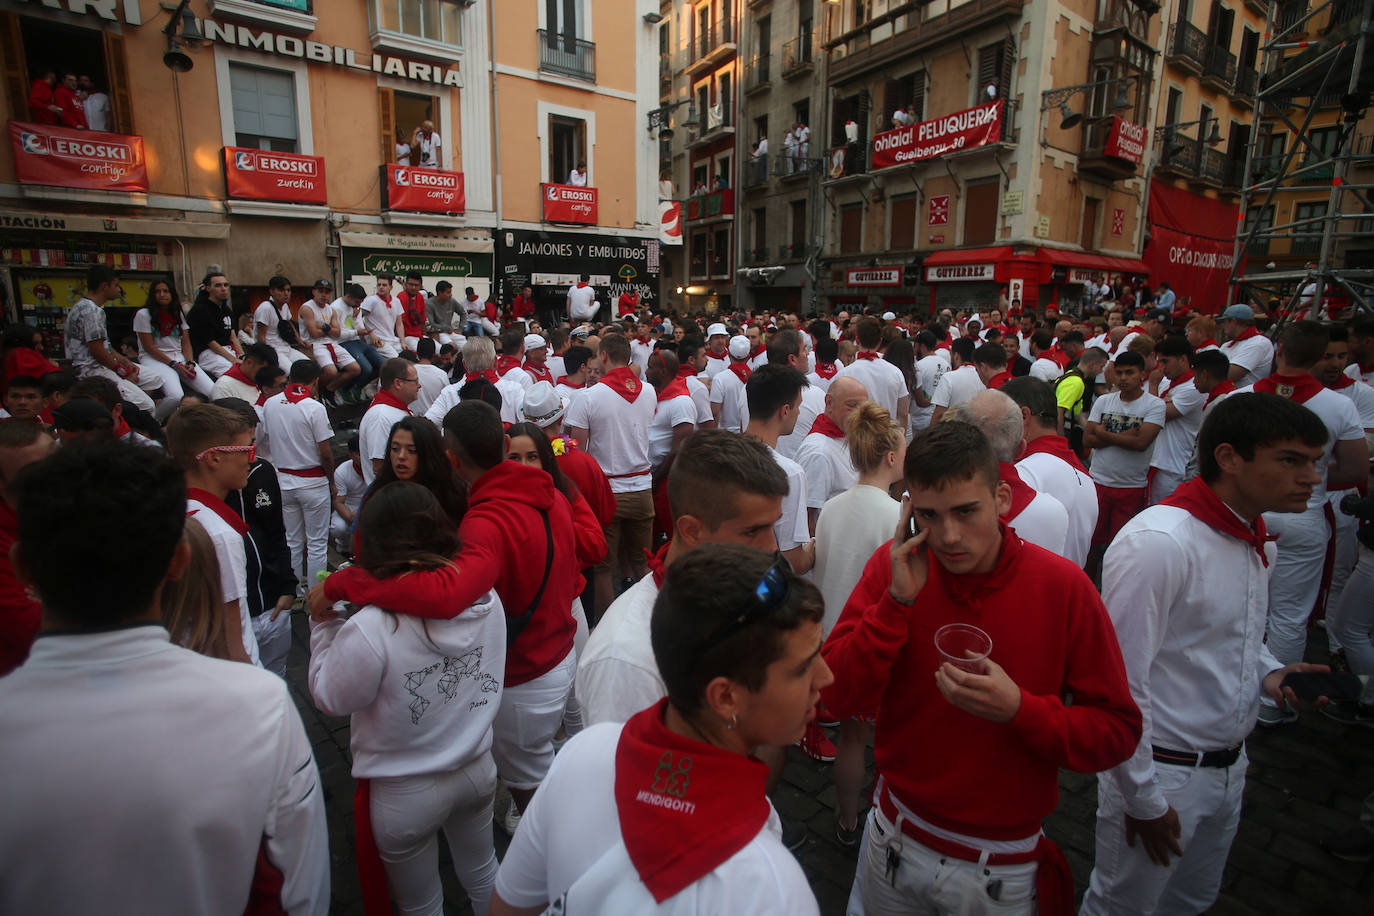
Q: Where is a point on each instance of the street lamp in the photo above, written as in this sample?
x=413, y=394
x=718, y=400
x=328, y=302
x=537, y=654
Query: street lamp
x=182, y=25
x=1059, y=98
x=658, y=118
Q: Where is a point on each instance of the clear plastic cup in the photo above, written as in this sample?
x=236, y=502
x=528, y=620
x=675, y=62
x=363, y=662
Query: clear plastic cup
x=963, y=646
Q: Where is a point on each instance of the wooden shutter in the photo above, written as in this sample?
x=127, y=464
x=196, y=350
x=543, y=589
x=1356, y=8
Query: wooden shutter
x=15, y=68
x=117, y=76
x=918, y=96
x=892, y=100
x=386, y=108
x=994, y=66
x=903, y=237
x=980, y=212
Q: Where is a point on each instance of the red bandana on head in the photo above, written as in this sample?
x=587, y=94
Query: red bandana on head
x=741, y=370
x=390, y=400
x=1021, y=492
x=685, y=807
x=297, y=393
x=1225, y=386
x=623, y=382
x=825, y=426
x=1202, y=503
x=1057, y=446
x=827, y=370
x=1297, y=388
x=563, y=380
x=488, y=374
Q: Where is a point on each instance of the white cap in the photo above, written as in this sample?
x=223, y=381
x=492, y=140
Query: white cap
x=887, y=316
x=543, y=405
x=715, y=329
x=739, y=347
x=534, y=342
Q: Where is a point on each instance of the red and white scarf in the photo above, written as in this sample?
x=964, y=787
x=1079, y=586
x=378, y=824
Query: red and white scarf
x=741, y=370
x=488, y=374
x=826, y=370
x=296, y=393
x=1021, y=492
x=824, y=426
x=1296, y=388
x=390, y=400
x=1225, y=386
x=539, y=373
x=623, y=382
x=1202, y=502
x=1057, y=446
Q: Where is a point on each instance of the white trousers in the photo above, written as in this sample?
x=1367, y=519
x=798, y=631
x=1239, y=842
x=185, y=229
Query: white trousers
x=339, y=531
x=213, y=363
x=529, y=716
x=133, y=392
x=1162, y=485
x=927, y=883
x=306, y=511
x=1346, y=540
x=572, y=711
x=173, y=385
x=585, y=312
x=389, y=349
x=274, y=641
x=1352, y=621
x=1296, y=580
x=407, y=814
x=1125, y=882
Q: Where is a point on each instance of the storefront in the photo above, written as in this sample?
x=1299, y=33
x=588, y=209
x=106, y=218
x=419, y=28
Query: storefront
x=552, y=262
x=462, y=259
x=974, y=278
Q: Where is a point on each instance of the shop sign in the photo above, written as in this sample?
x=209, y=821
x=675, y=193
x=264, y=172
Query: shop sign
x=1125, y=141
x=875, y=276
x=938, y=239
x=264, y=175
x=1042, y=227
x=47, y=154
x=1081, y=275
x=402, y=264
x=939, y=211
x=410, y=187
x=616, y=264
x=670, y=222
x=565, y=203
x=968, y=129
x=960, y=273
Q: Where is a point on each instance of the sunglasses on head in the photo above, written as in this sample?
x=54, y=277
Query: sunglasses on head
x=768, y=595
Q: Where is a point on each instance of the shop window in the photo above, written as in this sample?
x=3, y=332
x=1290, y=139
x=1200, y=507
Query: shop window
x=401, y=115
x=1091, y=207
x=851, y=228
x=439, y=21
x=29, y=46
x=980, y=212
x=264, y=103
x=720, y=253
x=567, y=146
x=903, y=229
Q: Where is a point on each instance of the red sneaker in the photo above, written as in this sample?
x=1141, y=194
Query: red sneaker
x=816, y=745
x=825, y=718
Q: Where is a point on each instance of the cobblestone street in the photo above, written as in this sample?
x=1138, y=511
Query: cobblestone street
x=1305, y=781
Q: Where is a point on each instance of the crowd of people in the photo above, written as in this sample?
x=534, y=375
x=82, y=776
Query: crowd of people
x=72, y=100
x=622, y=567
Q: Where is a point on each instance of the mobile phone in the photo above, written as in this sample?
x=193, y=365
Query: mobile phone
x=912, y=529
x=1312, y=685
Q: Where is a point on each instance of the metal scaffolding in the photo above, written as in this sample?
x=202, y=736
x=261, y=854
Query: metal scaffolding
x=1311, y=56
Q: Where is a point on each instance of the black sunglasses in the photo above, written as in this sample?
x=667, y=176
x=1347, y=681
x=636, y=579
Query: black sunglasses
x=768, y=594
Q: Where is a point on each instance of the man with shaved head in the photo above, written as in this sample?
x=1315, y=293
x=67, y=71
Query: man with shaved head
x=824, y=453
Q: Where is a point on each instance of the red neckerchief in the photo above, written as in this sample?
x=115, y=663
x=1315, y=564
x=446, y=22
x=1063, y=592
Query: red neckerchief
x=1185, y=377
x=643, y=341
x=540, y=373
x=1342, y=381
x=581, y=285
x=166, y=324
x=826, y=370
x=741, y=370
x=1202, y=502
x=488, y=374
x=756, y=351
x=262, y=397
x=390, y=400
x=1000, y=379
x=677, y=388
x=236, y=373
x=623, y=382
x=297, y=393
x=219, y=507
x=1297, y=388
x=866, y=354
x=686, y=371
x=1365, y=368
x=121, y=428
x=826, y=427
x=1209, y=342
x=1021, y=492
x=563, y=380
x=1011, y=362
x=505, y=364
x=1249, y=332
x=1225, y=386
x=1057, y=446
x=658, y=563
x=685, y=807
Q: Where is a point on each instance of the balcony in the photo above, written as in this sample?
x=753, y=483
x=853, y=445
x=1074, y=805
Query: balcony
x=1290, y=14
x=1258, y=7
x=1185, y=160
x=792, y=252
x=717, y=121
x=911, y=28
x=711, y=206
x=755, y=170
x=756, y=256
x=711, y=48
x=1247, y=83
x=757, y=74
x=1321, y=173
x=1211, y=167
x=566, y=55
x=1305, y=243
x=798, y=56
x=1187, y=48
x=1219, y=71
x=1093, y=160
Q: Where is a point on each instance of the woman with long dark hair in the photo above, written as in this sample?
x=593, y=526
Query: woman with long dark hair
x=164, y=347
x=902, y=354
x=415, y=454
x=422, y=696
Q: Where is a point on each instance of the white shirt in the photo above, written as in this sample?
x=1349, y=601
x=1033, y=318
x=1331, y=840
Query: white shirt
x=715, y=365
x=342, y=321
x=1047, y=370
x=851, y=527
x=1254, y=354
x=168, y=344
x=617, y=675
x=381, y=318
x=402, y=153
x=1353, y=370
x=433, y=380
x=1044, y=522
x=1175, y=443
x=373, y=433
x=728, y=391
x=1074, y=490
x=97, y=107
x=512, y=396
x=792, y=529
x=580, y=299
x=570, y=835
x=812, y=406
x=1362, y=396
x=617, y=433
x=957, y=386
x=1189, y=606
x=141, y=777
x=701, y=397
x=884, y=382
x=296, y=431
x=474, y=308
x=816, y=381
x=668, y=416
x=268, y=315
x=349, y=483
x=233, y=568
x=829, y=469
x=1112, y=465
x=429, y=149
x=639, y=354
x=226, y=387
x=929, y=371
x=421, y=694
x=577, y=178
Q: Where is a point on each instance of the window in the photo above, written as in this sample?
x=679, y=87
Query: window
x=1088, y=239
x=761, y=128
x=701, y=177
x=1239, y=142
x=699, y=254
x=439, y=21
x=561, y=17
x=980, y=211
x=902, y=236
x=28, y=43
x=725, y=16
x=264, y=108
x=723, y=95
x=764, y=32
x=1308, y=239
x=801, y=112
x=1222, y=24
x=1173, y=107
x=567, y=146
x=1260, y=220
x=760, y=232
x=907, y=93
x=851, y=228
x=401, y=114
x=720, y=253
x=994, y=69
x=1098, y=102
x=704, y=40
x=798, y=208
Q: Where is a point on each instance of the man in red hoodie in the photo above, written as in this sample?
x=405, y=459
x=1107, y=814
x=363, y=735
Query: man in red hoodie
x=21, y=444
x=968, y=760
x=518, y=538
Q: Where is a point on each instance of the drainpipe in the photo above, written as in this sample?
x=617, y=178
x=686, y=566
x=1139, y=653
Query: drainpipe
x=495, y=139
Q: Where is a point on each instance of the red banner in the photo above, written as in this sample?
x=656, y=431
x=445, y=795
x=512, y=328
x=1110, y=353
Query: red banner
x=1197, y=267
x=410, y=187
x=1125, y=140
x=962, y=130
x=565, y=203
x=46, y=154
x=265, y=175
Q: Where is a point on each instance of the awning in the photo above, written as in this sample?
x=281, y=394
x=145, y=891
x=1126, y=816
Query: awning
x=968, y=256
x=1090, y=261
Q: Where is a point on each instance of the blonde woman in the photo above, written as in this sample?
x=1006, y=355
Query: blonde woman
x=851, y=527
x=191, y=608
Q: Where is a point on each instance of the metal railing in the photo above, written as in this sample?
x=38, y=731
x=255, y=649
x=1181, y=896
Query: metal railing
x=1188, y=47
x=756, y=255
x=755, y=170
x=1220, y=66
x=798, y=55
x=757, y=72
x=567, y=55
x=722, y=33
x=1247, y=80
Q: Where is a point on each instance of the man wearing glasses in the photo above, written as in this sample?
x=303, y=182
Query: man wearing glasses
x=400, y=386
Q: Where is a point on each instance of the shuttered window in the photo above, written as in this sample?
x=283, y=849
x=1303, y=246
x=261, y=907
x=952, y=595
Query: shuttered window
x=994, y=69
x=264, y=108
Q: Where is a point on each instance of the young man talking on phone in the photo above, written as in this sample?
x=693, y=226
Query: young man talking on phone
x=968, y=760
x=1186, y=583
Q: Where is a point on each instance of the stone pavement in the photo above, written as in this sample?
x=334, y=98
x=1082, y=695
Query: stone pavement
x=1305, y=781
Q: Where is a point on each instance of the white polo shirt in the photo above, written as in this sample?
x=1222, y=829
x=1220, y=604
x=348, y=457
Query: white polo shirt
x=1254, y=354
x=829, y=470
x=296, y=431
x=226, y=387
x=349, y=483
x=957, y=386
x=433, y=381
x=701, y=397
x=617, y=675
x=233, y=567
x=728, y=391
x=792, y=529
x=884, y=382
x=270, y=316
x=1175, y=443
x=929, y=371
x=668, y=416
x=373, y=433
x=1075, y=491
x=1047, y=370
x=1044, y=522
x=1114, y=466
x=640, y=352
x=617, y=433
x=381, y=319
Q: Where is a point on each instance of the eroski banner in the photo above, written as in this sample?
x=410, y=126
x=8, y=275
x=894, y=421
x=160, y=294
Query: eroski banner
x=265, y=175
x=410, y=187
x=47, y=154
x=931, y=139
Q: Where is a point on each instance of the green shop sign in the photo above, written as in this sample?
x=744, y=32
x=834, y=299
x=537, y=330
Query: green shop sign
x=427, y=264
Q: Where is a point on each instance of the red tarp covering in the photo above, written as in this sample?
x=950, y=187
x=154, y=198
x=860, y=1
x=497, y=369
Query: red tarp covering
x=1192, y=241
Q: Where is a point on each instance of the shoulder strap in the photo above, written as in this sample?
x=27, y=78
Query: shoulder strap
x=515, y=626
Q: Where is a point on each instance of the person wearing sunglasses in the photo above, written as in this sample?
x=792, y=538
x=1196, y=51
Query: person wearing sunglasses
x=667, y=812
x=968, y=757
